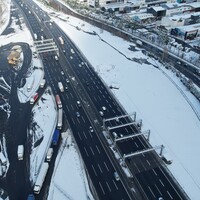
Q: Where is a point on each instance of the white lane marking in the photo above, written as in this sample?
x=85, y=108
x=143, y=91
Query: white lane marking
x=79, y=136
x=71, y=94
x=84, y=135
x=158, y=189
x=106, y=166
x=126, y=130
x=110, y=105
x=169, y=194
x=83, y=119
x=78, y=120
x=94, y=170
x=100, y=169
x=115, y=184
x=73, y=121
x=148, y=162
x=98, y=149
x=72, y=107
x=91, y=150
x=108, y=186
x=152, y=192
x=90, y=134
x=155, y=172
x=94, y=98
x=136, y=167
x=103, y=96
x=67, y=108
x=161, y=183
x=136, y=144
x=101, y=188
x=86, y=152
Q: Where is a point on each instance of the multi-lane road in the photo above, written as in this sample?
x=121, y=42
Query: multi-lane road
x=86, y=86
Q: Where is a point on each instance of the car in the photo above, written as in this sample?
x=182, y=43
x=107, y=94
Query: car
x=71, y=57
x=62, y=72
x=67, y=80
x=101, y=113
x=91, y=129
x=78, y=114
x=56, y=57
x=116, y=175
x=79, y=65
x=63, y=51
x=82, y=63
x=103, y=108
x=78, y=104
x=160, y=198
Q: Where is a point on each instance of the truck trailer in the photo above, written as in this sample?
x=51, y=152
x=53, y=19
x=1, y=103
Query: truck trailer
x=40, y=178
x=55, y=137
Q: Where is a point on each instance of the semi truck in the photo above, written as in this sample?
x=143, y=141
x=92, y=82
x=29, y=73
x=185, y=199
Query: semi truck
x=60, y=86
x=20, y=152
x=55, y=137
x=40, y=178
x=58, y=101
x=60, y=115
x=61, y=40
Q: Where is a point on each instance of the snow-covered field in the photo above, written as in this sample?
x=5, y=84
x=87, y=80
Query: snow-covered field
x=157, y=97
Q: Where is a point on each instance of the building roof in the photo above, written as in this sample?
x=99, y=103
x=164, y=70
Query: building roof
x=184, y=16
x=191, y=27
x=158, y=8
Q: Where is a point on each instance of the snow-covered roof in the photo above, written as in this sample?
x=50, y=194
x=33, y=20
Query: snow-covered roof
x=194, y=4
x=184, y=16
x=191, y=27
x=158, y=8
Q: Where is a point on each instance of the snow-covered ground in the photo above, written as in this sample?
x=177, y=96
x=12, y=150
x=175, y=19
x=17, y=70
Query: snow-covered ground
x=68, y=169
x=157, y=96
x=4, y=14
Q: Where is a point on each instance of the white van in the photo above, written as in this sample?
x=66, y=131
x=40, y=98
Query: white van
x=49, y=154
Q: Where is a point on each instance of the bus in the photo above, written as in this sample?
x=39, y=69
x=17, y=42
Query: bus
x=58, y=101
x=60, y=115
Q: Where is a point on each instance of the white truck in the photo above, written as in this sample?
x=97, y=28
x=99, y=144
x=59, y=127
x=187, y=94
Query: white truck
x=60, y=86
x=42, y=84
x=20, y=152
x=40, y=178
x=49, y=154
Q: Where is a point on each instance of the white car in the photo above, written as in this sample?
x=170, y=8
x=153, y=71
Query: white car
x=56, y=57
x=103, y=108
x=62, y=72
x=101, y=113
